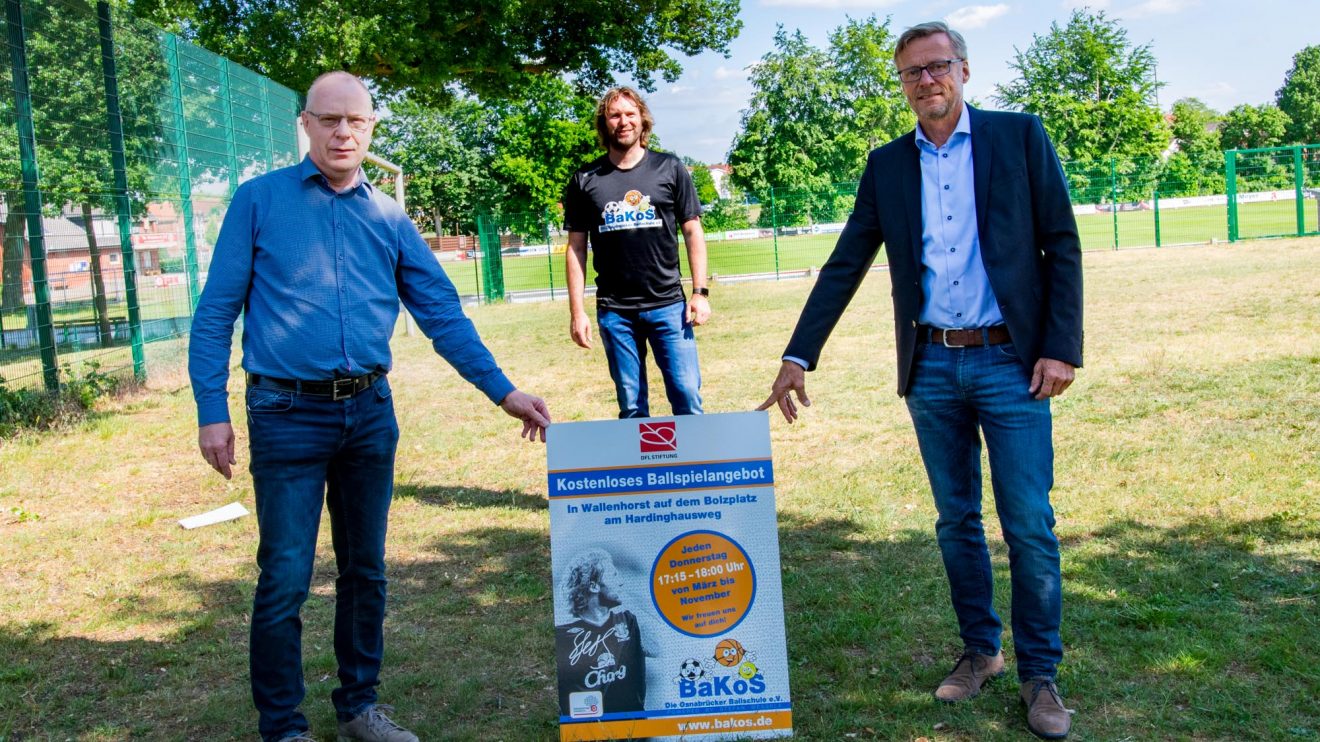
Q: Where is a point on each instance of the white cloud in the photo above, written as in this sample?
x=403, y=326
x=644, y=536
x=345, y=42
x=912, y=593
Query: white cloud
x=1092, y=4
x=724, y=73
x=975, y=16
x=678, y=90
x=816, y=4
x=1158, y=7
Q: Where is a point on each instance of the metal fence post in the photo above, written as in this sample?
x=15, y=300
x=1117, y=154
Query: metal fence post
x=1230, y=183
x=190, y=265
x=1155, y=197
x=1299, y=181
x=549, y=253
x=231, y=144
x=492, y=267
x=114, y=119
x=774, y=230
x=1113, y=191
x=27, y=149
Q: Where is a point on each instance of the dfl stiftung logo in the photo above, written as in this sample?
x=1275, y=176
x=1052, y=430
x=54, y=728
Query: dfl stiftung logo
x=657, y=437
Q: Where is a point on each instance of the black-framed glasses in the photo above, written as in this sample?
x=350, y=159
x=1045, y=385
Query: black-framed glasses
x=331, y=121
x=938, y=68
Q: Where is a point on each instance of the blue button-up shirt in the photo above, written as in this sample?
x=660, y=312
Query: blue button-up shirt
x=956, y=291
x=320, y=275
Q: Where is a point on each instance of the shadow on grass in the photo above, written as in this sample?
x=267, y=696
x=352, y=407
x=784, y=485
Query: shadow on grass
x=469, y=497
x=1204, y=630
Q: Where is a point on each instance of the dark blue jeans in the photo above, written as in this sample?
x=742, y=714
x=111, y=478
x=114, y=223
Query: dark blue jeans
x=306, y=449
x=958, y=395
x=625, y=334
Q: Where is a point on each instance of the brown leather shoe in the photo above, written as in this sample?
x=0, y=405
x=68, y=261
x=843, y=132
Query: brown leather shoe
x=967, y=677
x=1047, y=717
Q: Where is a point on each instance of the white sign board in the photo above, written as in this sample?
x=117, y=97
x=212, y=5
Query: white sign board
x=669, y=618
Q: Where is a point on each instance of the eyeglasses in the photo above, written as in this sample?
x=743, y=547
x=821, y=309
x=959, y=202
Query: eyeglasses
x=936, y=69
x=331, y=121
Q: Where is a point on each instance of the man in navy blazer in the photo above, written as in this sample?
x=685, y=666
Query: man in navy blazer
x=972, y=208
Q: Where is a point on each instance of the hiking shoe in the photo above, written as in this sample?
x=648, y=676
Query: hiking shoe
x=968, y=675
x=1047, y=717
x=372, y=725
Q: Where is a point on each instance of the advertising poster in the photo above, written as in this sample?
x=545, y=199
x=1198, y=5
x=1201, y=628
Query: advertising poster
x=669, y=619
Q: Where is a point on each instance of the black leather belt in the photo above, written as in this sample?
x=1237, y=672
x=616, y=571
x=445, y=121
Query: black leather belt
x=977, y=337
x=332, y=388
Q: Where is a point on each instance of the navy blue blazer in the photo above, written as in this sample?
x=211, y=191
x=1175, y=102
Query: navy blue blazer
x=1029, y=243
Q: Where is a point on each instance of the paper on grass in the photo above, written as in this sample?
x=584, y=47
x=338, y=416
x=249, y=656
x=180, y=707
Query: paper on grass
x=219, y=515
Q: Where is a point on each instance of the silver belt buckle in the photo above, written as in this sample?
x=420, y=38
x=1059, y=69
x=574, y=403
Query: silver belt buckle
x=346, y=385
x=944, y=337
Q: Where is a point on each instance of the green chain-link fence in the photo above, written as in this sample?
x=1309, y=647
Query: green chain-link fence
x=1222, y=197
x=120, y=146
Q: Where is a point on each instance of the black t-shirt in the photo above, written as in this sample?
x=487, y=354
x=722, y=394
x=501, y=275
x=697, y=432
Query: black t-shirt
x=607, y=659
x=632, y=217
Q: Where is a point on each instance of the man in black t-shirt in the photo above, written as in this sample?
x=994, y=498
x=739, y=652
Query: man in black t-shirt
x=602, y=664
x=630, y=204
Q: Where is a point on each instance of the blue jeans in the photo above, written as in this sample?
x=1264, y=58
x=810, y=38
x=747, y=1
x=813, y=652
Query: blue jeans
x=305, y=449
x=625, y=334
x=955, y=392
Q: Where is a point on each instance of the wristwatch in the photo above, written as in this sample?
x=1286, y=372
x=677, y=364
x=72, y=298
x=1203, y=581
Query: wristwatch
x=703, y=291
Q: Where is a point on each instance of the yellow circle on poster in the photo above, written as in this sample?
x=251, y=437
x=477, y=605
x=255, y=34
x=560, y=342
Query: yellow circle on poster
x=703, y=583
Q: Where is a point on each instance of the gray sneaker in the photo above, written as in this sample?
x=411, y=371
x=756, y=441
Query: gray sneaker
x=372, y=725
x=299, y=737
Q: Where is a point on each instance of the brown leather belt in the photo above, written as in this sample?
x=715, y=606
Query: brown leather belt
x=996, y=335
x=332, y=388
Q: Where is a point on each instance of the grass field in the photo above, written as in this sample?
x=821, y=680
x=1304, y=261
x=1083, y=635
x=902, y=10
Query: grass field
x=1187, y=495
x=766, y=255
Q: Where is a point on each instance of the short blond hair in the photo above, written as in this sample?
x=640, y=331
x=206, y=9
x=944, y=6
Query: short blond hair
x=930, y=28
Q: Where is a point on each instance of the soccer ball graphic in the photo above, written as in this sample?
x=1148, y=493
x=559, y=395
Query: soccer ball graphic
x=690, y=670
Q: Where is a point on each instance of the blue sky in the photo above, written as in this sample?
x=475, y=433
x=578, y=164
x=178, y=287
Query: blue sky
x=1224, y=52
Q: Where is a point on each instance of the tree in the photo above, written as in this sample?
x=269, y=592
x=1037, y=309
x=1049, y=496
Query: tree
x=69, y=112
x=1254, y=127
x=862, y=55
x=1249, y=127
x=445, y=157
x=1197, y=167
x=489, y=47
x=704, y=182
x=537, y=143
x=812, y=118
x=1299, y=97
x=1095, y=93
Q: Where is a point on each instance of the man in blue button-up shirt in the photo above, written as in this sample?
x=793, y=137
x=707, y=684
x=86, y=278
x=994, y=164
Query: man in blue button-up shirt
x=320, y=260
x=972, y=208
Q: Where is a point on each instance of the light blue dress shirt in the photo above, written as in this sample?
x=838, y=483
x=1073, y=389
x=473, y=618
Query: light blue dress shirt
x=955, y=289
x=320, y=275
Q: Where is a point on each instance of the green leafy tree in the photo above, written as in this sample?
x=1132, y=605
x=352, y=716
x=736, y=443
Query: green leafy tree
x=725, y=214
x=1254, y=127
x=1095, y=93
x=813, y=115
x=445, y=156
x=1249, y=127
x=704, y=183
x=490, y=47
x=64, y=61
x=875, y=110
x=1197, y=167
x=537, y=143
x=1299, y=97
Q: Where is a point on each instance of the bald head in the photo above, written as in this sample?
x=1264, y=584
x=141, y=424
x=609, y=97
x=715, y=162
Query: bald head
x=339, y=121
x=336, y=82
